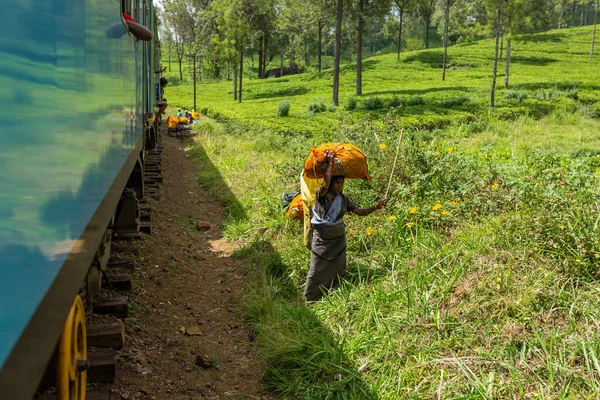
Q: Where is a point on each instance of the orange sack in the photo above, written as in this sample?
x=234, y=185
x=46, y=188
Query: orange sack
x=172, y=121
x=296, y=209
x=352, y=161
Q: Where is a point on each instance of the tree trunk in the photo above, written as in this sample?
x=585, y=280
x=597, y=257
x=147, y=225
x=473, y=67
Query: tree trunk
x=319, y=44
x=241, y=71
x=234, y=67
x=597, y=5
x=573, y=13
x=581, y=15
x=194, y=83
x=400, y=33
x=260, y=55
x=180, y=69
x=264, y=64
x=501, y=46
x=337, y=52
x=498, y=30
x=561, y=15
x=281, y=61
x=446, y=21
x=359, y=40
x=507, y=64
x=427, y=21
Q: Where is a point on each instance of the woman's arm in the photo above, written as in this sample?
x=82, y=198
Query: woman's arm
x=322, y=190
x=367, y=211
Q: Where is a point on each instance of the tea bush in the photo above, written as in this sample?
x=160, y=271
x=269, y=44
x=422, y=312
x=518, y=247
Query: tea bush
x=594, y=110
x=351, y=103
x=518, y=94
x=373, y=103
x=283, y=109
x=317, y=107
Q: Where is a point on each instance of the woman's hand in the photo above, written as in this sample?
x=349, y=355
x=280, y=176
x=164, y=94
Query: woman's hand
x=381, y=204
x=328, y=155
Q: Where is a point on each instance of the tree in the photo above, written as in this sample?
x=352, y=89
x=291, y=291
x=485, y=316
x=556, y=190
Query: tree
x=596, y=6
x=320, y=13
x=446, y=22
x=232, y=31
x=496, y=6
x=184, y=19
x=426, y=8
x=395, y=21
x=363, y=10
x=336, y=57
x=562, y=6
x=264, y=23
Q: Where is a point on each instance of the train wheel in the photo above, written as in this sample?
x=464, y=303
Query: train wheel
x=71, y=375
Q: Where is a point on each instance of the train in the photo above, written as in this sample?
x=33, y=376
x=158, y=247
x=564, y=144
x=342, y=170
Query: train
x=80, y=106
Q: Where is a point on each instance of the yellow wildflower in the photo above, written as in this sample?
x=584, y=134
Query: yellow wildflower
x=450, y=149
x=437, y=154
x=495, y=186
x=382, y=146
x=392, y=217
x=438, y=206
x=369, y=231
x=413, y=210
x=350, y=230
x=455, y=202
x=410, y=224
x=445, y=212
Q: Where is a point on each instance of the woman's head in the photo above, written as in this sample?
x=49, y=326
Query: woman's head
x=337, y=184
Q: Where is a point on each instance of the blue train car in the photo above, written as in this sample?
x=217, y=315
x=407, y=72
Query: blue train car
x=77, y=98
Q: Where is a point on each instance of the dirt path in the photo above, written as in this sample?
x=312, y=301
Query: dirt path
x=185, y=336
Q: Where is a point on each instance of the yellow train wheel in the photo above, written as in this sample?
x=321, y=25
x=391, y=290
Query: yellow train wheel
x=71, y=375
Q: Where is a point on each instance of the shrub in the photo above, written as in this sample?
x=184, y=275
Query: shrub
x=395, y=102
x=283, y=109
x=509, y=113
x=415, y=100
x=351, y=103
x=571, y=93
x=373, y=103
x=317, y=107
x=595, y=110
x=406, y=101
x=518, y=94
x=454, y=101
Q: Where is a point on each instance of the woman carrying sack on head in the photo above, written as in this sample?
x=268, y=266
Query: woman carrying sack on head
x=328, y=246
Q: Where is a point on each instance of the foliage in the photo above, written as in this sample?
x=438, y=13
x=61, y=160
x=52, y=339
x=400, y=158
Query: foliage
x=317, y=107
x=351, y=103
x=372, y=103
x=484, y=266
x=595, y=110
x=476, y=247
x=283, y=109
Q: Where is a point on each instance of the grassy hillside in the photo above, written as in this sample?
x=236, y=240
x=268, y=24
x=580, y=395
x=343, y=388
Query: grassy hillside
x=482, y=271
x=552, y=65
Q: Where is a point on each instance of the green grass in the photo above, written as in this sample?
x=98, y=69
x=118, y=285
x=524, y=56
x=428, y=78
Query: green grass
x=492, y=296
x=540, y=63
